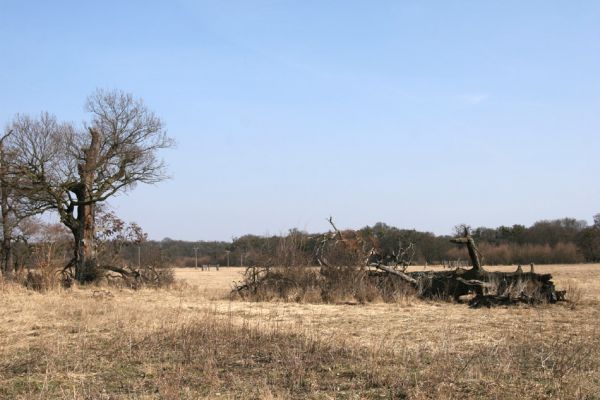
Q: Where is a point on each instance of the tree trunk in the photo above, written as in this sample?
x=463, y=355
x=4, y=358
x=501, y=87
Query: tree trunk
x=467, y=240
x=84, y=232
x=7, y=256
x=6, y=225
x=85, y=253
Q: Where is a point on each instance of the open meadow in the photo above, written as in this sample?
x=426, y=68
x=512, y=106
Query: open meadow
x=191, y=341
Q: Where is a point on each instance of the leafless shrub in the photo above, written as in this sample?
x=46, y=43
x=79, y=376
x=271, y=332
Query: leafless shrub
x=327, y=284
x=113, y=236
x=345, y=284
x=344, y=274
x=282, y=283
x=42, y=253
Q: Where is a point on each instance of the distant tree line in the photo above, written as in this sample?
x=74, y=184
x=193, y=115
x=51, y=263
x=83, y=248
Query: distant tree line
x=564, y=240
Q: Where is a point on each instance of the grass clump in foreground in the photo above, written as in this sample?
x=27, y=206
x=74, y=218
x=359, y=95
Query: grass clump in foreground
x=216, y=358
x=208, y=359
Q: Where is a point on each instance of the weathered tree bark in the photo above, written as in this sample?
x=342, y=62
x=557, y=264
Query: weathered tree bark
x=399, y=274
x=7, y=228
x=84, y=226
x=7, y=251
x=84, y=255
x=467, y=240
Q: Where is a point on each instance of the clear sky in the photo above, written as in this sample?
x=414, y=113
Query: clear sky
x=422, y=114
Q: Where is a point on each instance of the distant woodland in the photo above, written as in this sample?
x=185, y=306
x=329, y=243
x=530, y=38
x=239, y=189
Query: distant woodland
x=564, y=240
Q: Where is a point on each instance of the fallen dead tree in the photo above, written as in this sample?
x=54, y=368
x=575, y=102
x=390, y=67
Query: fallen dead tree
x=353, y=268
x=124, y=276
x=485, y=288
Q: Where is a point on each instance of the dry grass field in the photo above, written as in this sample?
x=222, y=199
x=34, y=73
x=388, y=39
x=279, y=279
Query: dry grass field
x=190, y=342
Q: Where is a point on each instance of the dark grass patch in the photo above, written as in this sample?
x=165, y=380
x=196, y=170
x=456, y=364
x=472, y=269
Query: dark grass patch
x=194, y=361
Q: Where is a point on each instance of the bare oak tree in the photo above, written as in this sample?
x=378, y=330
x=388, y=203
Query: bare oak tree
x=71, y=169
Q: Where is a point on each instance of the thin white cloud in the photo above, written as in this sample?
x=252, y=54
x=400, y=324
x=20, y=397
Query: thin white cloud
x=474, y=98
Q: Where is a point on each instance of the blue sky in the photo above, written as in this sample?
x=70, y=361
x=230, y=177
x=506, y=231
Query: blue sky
x=422, y=114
